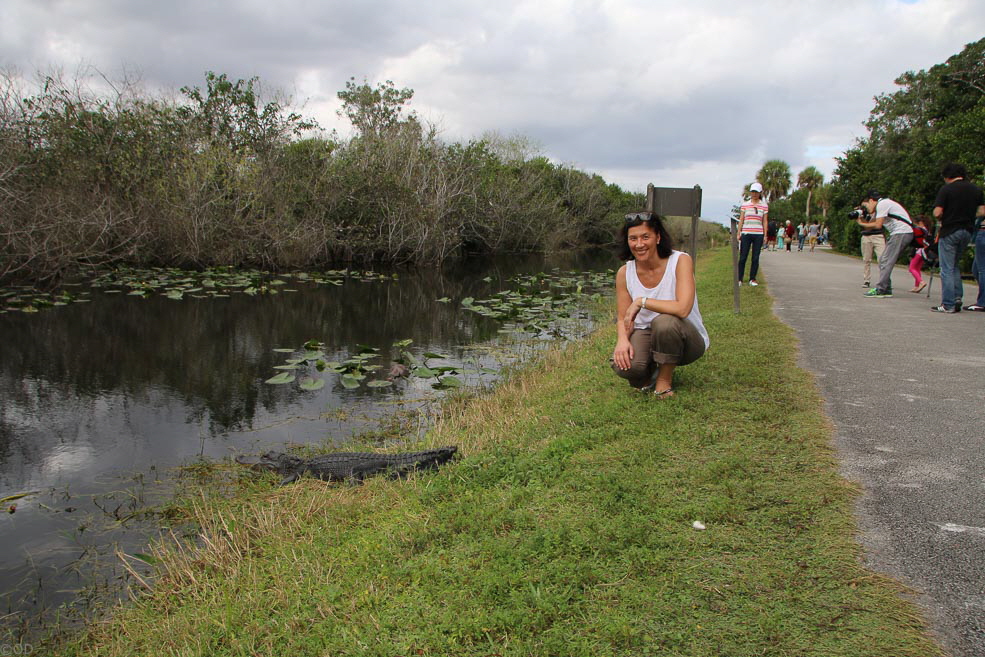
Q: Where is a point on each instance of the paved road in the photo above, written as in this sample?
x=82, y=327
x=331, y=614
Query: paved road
x=905, y=388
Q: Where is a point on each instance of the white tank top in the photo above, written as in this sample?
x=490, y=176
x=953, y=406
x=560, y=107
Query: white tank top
x=666, y=290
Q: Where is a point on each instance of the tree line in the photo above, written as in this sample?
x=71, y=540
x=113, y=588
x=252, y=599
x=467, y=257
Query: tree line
x=220, y=176
x=935, y=117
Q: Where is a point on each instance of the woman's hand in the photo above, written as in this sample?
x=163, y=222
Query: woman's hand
x=623, y=354
x=630, y=317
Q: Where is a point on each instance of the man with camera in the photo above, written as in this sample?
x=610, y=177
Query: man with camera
x=959, y=203
x=877, y=213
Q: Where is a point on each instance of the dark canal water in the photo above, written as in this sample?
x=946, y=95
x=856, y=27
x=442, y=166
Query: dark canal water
x=102, y=401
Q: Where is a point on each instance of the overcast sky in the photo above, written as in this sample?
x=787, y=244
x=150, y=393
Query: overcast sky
x=674, y=93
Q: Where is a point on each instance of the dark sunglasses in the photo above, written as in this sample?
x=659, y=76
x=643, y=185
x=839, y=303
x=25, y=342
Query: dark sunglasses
x=638, y=216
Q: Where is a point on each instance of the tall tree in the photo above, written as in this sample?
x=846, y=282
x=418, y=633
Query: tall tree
x=375, y=112
x=775, y=179
x=809, y=179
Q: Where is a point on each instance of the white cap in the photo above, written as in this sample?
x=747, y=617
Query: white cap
x=756, y=187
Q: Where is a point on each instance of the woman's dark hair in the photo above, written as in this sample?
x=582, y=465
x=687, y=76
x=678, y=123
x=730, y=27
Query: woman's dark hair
x=664, y=248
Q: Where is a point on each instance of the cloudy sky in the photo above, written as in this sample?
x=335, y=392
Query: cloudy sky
x=674, y=93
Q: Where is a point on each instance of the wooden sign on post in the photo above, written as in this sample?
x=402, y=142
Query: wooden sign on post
x=677, y=202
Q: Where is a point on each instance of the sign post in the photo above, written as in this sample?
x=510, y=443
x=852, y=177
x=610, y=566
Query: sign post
x=677, y=202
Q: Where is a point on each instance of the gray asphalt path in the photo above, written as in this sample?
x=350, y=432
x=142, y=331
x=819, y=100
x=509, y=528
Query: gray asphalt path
x=905, y=388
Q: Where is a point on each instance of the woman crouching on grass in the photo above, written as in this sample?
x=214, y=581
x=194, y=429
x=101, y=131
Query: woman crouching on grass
x=658, y=321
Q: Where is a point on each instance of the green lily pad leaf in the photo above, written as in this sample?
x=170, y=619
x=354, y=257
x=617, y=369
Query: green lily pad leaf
x=487, y=279
x=312, y=355
x=444, y=300
x=424, y=372
x=283, y=377
x=349, y=381
x=379, y=383
x=400, y=344
x=285, y=367
x=449, y=382
x=431, y=354
x=284, y=351
x=468, y=301
x=309, y=383
x=366, y=349
x=312, y=345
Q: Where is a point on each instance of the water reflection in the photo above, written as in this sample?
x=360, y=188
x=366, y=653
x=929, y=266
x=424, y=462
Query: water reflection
x=99, y=400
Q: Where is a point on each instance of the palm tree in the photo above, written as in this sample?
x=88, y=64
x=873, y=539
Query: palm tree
x=775, y=179
x=809, y=179
x=824, y=194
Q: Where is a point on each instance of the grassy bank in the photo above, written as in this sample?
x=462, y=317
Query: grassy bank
x=565, y=529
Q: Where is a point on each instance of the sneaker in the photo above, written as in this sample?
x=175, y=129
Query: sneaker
x=753, y=283
x=957, y=306
x=876, y=293
x=865, y=284
x=740, y=283
x=975, y=308
x=944, y=309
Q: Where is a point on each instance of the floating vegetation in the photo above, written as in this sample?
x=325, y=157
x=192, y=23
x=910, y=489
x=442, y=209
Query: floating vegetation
x=541, y=305
x=31, y=300
x=541, y=301
x=180, y=284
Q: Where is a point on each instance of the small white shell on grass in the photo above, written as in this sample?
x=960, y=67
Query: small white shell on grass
x=697, y=524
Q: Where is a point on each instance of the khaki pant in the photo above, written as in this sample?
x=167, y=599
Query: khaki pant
x=669, y=339
x=870, y=244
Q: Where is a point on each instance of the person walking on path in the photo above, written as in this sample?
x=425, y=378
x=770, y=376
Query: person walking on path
x=789, y=231
x=659, y=325
x=892, y=216
x=812, y=232
x=753, y=215
x=957, y=206
x=801, y=236
x=921, y=238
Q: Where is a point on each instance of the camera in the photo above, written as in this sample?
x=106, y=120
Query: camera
x=857, y=213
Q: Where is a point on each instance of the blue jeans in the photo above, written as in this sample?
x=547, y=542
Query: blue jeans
x=949, y=250
x=747, y=241
x=979, y=267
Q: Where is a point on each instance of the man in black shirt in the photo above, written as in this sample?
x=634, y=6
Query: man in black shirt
x=958, y=203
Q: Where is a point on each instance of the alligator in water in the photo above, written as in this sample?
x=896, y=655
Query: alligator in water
x=348, y=466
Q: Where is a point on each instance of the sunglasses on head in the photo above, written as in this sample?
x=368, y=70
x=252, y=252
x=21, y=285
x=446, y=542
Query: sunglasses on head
x=638, y=216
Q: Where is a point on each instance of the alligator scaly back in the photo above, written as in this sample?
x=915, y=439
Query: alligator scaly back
x=349, y=466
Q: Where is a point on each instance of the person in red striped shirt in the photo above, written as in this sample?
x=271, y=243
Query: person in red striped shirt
x=753, y=215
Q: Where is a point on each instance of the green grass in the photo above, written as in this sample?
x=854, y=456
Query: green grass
x=564, y=529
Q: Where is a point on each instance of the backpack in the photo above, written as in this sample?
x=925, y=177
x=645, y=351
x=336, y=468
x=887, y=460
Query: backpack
x=921, y=237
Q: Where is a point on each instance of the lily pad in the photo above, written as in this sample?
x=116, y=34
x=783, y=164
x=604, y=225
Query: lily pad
x=348, y=381
x=309, y=383
x=283, y=377
x=379, y=383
